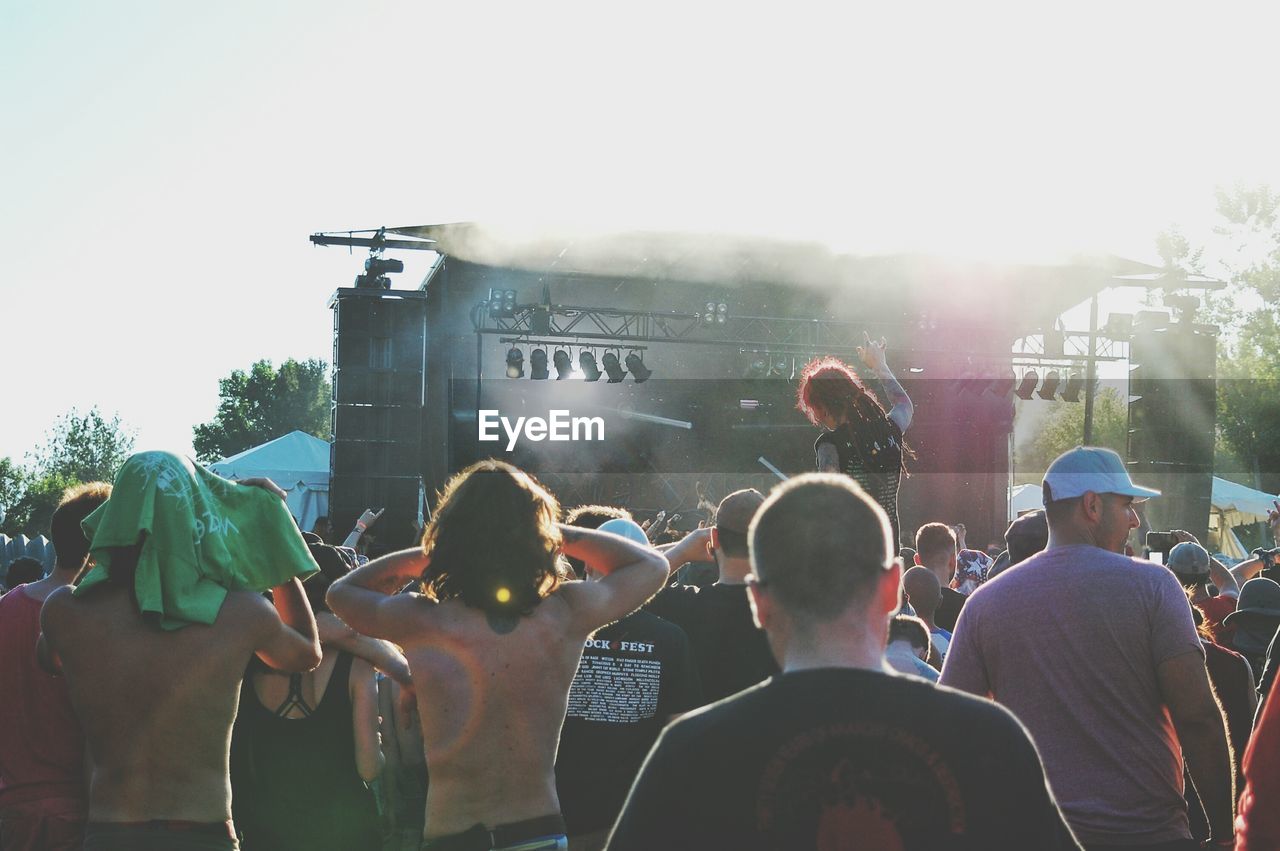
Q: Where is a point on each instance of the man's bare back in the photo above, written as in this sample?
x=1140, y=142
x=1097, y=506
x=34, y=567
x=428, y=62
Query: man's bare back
x=157, y=706
x=493, y=690
x=492, y=699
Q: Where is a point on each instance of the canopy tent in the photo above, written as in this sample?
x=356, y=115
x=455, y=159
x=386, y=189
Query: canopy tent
x=1233, y=505
x=1240, y=505
x=1024, y=498
x=298, y=462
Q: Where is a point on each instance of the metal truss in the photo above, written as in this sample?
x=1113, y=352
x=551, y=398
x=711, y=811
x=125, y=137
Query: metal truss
x=547, y=325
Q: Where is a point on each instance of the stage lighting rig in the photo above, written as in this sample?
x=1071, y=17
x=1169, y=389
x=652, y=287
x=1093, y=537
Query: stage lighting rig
x=716, y=313
x=502, y=303
x=538, y=365
x=1050, y=385
x=376, y=269
x=515, y=363
x=612, y=368
x=564, y=364
x=587, y=363
x=1075, y=383
x=1027, y=387
x=639, y=372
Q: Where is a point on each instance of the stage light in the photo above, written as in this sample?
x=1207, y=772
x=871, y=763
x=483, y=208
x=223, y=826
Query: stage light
x=515, y=363
x=376, y=269
x=612, y=368
x=1028, y=385
x=780, y=368
x=1050, y=385
x=1075, y=383
x=639, y=372
x=710, y=315
x=722, y=313
x=564, y=364
x=538, y=365
x=757, y=367
x=502, y=303
x=587, y=363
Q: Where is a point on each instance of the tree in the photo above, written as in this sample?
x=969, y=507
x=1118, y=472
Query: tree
x=77, y=449
x=1063, y=429
x=85, y=448
x=32, y=513
x=265, y=403
x=12, y=484
x=1249, y=356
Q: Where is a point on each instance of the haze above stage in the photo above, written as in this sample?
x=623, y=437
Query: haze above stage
x=946, y=322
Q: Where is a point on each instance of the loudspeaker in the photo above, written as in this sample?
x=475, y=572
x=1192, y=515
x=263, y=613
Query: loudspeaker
x=1172, y=421
x=379, y=368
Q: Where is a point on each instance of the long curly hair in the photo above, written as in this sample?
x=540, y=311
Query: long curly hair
x=493, y=542
x=828, y=385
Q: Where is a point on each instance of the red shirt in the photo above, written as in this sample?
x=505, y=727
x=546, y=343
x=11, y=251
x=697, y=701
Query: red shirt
x=41, y=744
x=1258, y=825
x=1215, y=609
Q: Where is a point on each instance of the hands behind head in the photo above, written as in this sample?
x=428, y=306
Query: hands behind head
x=265, y=484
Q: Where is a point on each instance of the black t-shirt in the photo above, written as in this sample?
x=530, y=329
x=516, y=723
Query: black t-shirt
x=843, y=758
x=948, y=611
x=731, y=653
x=871, y=453
x=634, y=675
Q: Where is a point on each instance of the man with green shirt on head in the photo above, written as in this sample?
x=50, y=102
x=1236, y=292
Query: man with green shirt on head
x=155, y=641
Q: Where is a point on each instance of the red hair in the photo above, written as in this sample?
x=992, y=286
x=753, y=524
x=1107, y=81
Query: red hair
x=828, y=385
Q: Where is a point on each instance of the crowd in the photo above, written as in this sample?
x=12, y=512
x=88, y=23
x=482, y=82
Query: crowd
x=196, y=673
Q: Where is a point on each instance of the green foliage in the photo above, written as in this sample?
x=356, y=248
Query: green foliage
x=1063, y=429
x=77, y=449
x=85, y=448
x=12, y=483
x=264, y=404
x=33, y=511
x=1249, y=357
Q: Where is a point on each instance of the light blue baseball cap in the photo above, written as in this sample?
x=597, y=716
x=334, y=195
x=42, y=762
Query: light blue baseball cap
x=626, y=528
x=1090, y=468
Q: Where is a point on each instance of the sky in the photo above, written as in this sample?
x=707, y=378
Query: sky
x=164, y=163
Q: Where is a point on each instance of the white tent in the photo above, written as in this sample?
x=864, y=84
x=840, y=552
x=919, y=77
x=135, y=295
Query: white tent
x=1234, y=504
x=1024, y=498
x=1240, y=505
x=1231, y=505
x=298, y=462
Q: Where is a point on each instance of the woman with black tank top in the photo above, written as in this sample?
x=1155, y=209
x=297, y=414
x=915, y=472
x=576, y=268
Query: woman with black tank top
x=303, y=748
x=860, y=439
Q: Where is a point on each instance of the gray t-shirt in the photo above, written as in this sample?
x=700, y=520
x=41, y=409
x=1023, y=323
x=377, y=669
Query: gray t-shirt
x=1069, y=641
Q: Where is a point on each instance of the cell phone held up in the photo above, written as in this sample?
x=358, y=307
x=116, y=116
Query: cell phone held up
x=1161, y=542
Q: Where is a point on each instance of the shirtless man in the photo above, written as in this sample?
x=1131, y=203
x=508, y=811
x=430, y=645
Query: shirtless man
x=493, y=645
x=157, y=705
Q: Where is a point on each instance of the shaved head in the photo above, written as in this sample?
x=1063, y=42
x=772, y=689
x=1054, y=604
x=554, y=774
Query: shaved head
x=923, y=590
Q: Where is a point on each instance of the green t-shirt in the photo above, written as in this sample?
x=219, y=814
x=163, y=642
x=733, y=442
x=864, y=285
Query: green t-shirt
x=201, y=536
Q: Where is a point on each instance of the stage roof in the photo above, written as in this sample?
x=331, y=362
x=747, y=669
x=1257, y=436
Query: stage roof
x=980, y=288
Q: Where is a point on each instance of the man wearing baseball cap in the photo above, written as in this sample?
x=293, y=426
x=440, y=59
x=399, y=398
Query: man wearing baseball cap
x=1097, y=654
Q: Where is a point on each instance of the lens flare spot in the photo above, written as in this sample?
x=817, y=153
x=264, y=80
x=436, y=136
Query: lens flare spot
x=503, y=595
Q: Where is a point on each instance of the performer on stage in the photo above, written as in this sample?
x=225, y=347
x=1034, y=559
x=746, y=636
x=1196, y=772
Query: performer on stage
x=860, y=440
